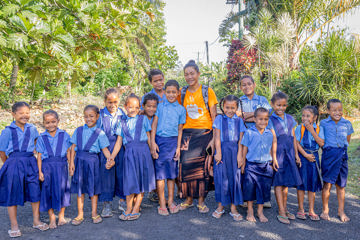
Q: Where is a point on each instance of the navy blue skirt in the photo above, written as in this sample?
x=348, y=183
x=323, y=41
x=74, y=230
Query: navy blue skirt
x=257, y=182
x=55, y=189
x=309, y=174
x=19, y=180
x=139, y=175
x=334, y=166
x=86, y=179
x=165, y=166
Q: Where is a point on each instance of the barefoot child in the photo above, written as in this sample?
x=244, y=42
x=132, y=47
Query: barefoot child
x=157, y=80
x=283, y=125
x=111, y=179
x=259, y=153
x=165, y=145
x=309, y=137
x=88, y=141
x=19, y=176
x=53, y=147
x=229, y=130
x=334, y=166
x=139, y=176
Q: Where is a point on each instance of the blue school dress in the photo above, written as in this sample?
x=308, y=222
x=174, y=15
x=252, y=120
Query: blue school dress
x=86, y=178
x=334, y=165
x=258, y=174
x=19, y=176
x=55, y=189
x=250, y=105
x=139, y=175
x=111, y=179
x=227, y=175
x=170, y=115
x=288, y=173
x=308, y=170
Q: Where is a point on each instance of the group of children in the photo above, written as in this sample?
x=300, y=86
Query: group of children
x=126, y=154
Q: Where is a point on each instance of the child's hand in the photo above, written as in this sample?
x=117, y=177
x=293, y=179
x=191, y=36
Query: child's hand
x=154, y=150
x=297, y=159
x=71, y=169
x=308, y=126
x=109, y=163
x=241, y=164
x=239, y=113
x=310, y=157
x=275, y=165
x=177, y=154
x=155, y=156
x=41, y=176
x=218, y=157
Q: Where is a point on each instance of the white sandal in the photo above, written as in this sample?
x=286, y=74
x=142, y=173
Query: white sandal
x=236, y=217
x=42, y=227
x=14, y=233
x=218, y=213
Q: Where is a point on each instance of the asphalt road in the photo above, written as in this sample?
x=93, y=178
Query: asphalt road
x=190, y=224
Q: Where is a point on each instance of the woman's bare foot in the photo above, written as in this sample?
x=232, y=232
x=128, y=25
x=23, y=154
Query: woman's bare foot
x=343, y=217
x=262, y=217
x=325, y=216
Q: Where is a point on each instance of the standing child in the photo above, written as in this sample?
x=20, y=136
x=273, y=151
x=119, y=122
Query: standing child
x=139, y=176
x=334, y=166
x=229, y=130
x=283, y=125
x=309, y=138
x=111, y=179
x=165, y=145
x=259, y=152
x=157, y=80
x=88, y=141
x=19, y=176
x=53, y=154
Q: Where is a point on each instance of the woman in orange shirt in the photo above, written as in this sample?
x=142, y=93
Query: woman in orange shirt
x=197, y=138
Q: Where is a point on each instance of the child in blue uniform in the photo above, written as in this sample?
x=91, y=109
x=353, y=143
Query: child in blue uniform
x=139, y=176
x=157, y=80
x=309, y=137
x=53, y=154
x=111, y=179
x=283, y=125
x=229, y=130
x=166, y=136
x=19, y=176
x=334, y=166
x=88, y=141
x=259, y=151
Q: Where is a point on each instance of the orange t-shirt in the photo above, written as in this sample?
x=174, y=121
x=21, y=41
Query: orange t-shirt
x=197, y=115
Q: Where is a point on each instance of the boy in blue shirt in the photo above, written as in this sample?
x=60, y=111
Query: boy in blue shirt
x=259, y=153
x=334, y=166
x=157, y=80
x=166, y=136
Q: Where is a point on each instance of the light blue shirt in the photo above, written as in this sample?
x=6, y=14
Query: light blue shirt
x=310, y=136
x=231, y=127
x=170, y=115
x=131, y=124
x=336, y=134
x=41, y=148
x=101, y=142
x=114, y=122
x=259, y=145
x=161, y=99
x=6, y=144
x=283, y=123
x=253, y=104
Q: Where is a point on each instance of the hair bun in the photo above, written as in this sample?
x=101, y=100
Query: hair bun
x=191, y=62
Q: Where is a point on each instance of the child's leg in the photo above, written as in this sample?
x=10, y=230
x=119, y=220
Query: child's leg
x=139, y=198
x=62, y=220
x=279, y=200
x=219, y=211
x=171, y=189
x=160, y=186
x=80, y=206
x=94, y=202
x=260, y=213
x=13, y=219
x=52, y=218
x=129, y=203
x=235, y=214
x=36, y=215
x=285, y=194
x=300, y=197
x=250, y=212
x=325, y=201
x=311, y=197
x=340, y=192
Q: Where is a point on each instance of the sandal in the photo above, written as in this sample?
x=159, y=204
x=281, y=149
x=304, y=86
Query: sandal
x=290, y=215
x=77, y=221
x=301, y=215
x=203, y=209
x=134, y=216
x=61, y=223
x=314, y=217
x=282, y=219
x=14, y=233
x=184, y=206
x=216, y=214
x=174, y=208
x=236, y=216
x=325, y=216
x=125, y=217
x=163, y=211
x=96, y=219
x=42, y=227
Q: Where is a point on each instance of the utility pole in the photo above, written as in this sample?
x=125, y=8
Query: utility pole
x=198, y=57
x=207, y=51
x=240, y=21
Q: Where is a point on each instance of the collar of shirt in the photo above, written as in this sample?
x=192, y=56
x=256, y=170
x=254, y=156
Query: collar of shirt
x=87, y=127
x=13, y=125
x=234, y=117
x=329, y=119
x=244, y=97
x=57, y=133
x=160, y=98
x=107, y=113
x=175, y=104
x=314, y=125
x=253, y=128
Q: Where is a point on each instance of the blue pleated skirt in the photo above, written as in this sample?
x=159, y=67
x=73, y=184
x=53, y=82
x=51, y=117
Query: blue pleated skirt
x=334, y=166
x=165, y=166
x=309, y=174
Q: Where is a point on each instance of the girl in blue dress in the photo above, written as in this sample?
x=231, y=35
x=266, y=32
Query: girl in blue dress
x=287, y=175
x=88, y=141
x=309, y=137
x=53, y=154
x=19, y=176
x=229, y=130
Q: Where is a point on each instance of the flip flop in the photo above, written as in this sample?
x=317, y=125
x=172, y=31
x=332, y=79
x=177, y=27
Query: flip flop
x=14, y=233
x=96, y=219
x=67, y=220
x=216, y=214
x=236, y=217
x=301, y=215
x=203, y=209
x=325, y=216
x=290, y=215
x=77, y=221
x=174, y=208
x=184, y=206
x=163, y=211
x=134, y=216
x=314, y=217
x=284, y=220
x=125, y=217
x=42, y=227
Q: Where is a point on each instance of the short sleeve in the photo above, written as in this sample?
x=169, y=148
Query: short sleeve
x=103, y=140
x=322, y=124
x=242, y=127
x=73, y=139
x=321, y=132
x=142, y=101
x=40, y=146
x=5, y=139
x=217, y=122
x=212, y=97
x=182, y=119
x=298, y=133
x=350, y=129
x=146, y=124
x=246, y=139
x=270, y=125
x=34, y=132
x=265, y=103
x=67, y=140
x=294, y=122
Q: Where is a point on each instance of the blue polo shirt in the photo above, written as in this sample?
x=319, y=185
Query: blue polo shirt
x=231, y=126
x=259, y=145
x=170, y=116
x=131, y=124
x=310, y=136
x=40, y=145
x=250, y=105
x=336, y=134
x=101, y=142
x=283, y=122
x=114, y=120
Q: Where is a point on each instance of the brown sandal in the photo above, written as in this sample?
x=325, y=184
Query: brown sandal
x=77, y=221
x=96, y=219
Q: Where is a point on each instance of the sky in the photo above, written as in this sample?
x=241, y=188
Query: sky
x=190, y=23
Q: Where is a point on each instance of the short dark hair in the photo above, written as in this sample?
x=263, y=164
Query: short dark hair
x=173, y=83
x=111, y=91
x=260, y=110
x=150, y=97
x=228, y=98
x=247, y=76
x=313, y=109
x=92, y=107
x=279, y=95
x=334, y=100
x=154, y=72
x=191, y=63
x=51, y=112
x=132, y=95
x=18, y=105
